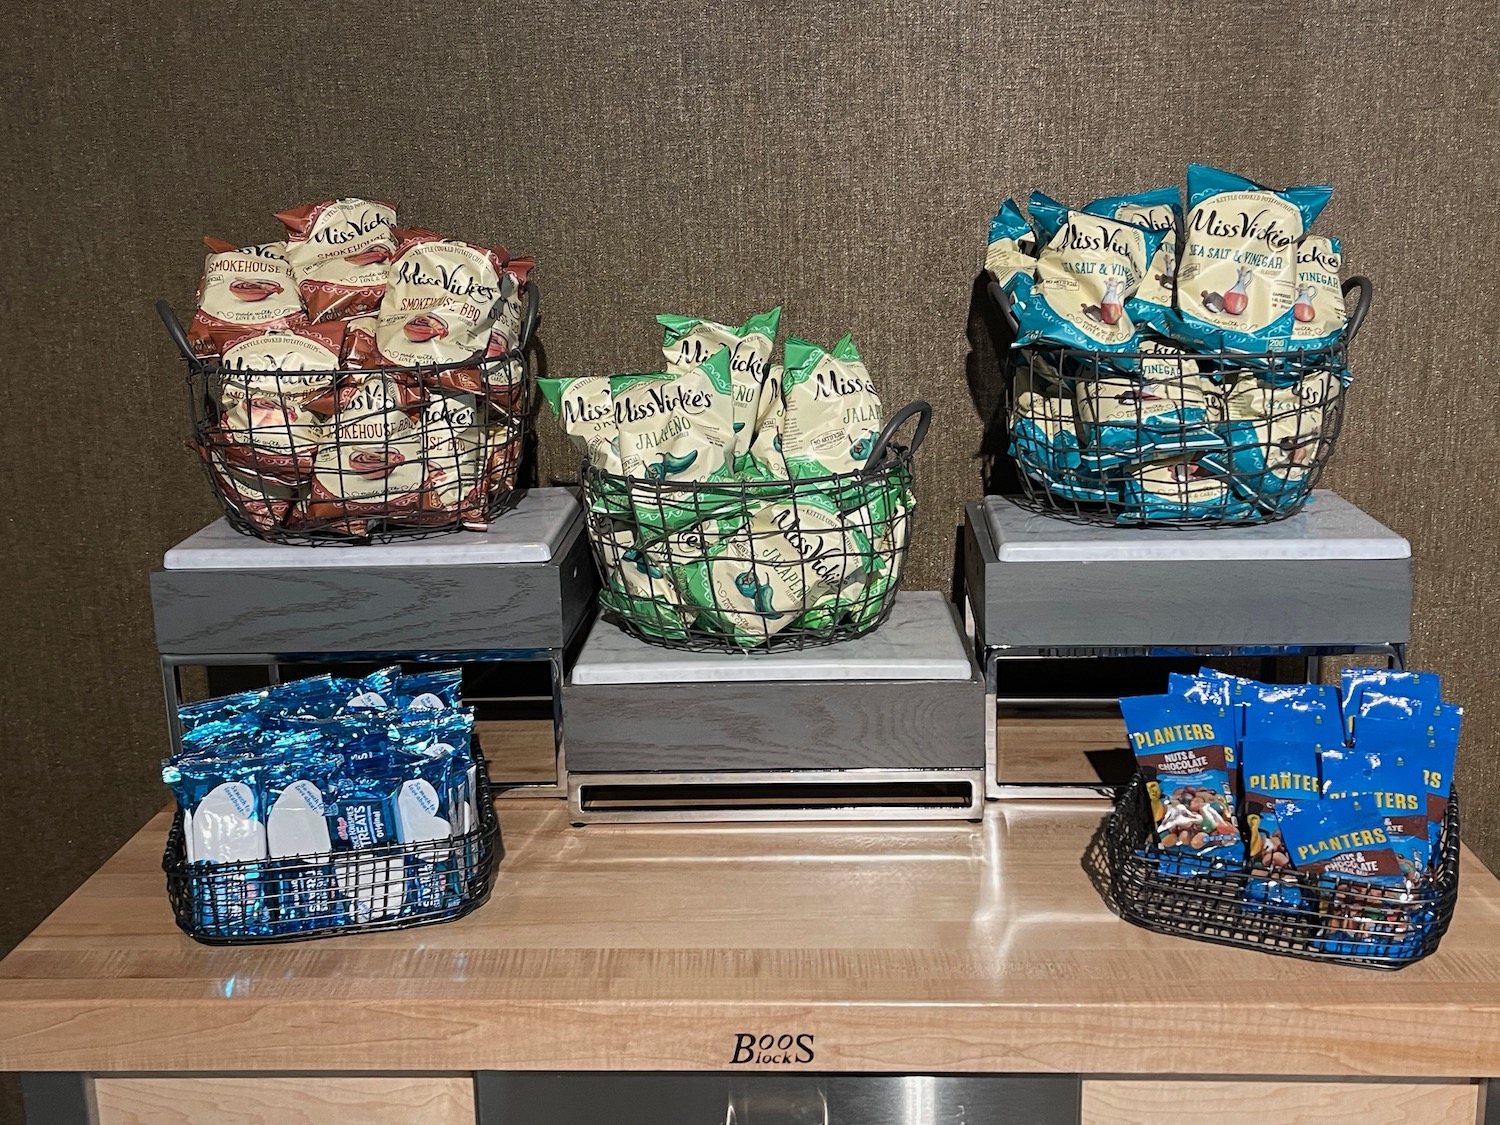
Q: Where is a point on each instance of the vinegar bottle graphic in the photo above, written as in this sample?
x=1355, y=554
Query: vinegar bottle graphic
x=1112, y=304
x=1303, y=309
x=1238, y=296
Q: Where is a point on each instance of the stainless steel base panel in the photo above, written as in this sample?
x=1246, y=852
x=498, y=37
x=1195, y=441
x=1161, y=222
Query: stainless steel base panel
x=787, y=796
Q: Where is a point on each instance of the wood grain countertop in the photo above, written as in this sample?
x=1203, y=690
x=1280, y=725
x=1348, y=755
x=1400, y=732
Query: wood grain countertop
x=933, y=948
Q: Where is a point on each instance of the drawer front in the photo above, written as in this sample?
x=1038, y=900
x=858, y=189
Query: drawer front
x=1129, y=1101
x=250, y=1100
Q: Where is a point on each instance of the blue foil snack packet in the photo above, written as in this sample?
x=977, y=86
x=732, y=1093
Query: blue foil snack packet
x=1237, y=280
x=1273, y=772
x=1185, y=751
x=1354, y=681
x=361, y=819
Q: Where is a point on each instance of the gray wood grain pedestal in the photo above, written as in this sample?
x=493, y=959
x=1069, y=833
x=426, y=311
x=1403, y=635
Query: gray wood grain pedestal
x=888, y=726
x=1328, y=581
x=522, y=590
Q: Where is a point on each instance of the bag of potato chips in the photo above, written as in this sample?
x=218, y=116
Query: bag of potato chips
x=1012, y=247
x=587, y=413
x=833, y=411
x=242, y=288
x=689, y=340
x=1318, y=309
x=339, y=252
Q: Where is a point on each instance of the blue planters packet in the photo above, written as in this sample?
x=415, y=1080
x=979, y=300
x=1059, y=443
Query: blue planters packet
x=1354, y=681
x=1237, y=281
x=1186, y=751
x=1273, y=771
x=1085, y=272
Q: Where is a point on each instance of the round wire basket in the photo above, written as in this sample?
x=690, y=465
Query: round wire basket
x=756, y=566
x=364, y=455
x=1169, y=438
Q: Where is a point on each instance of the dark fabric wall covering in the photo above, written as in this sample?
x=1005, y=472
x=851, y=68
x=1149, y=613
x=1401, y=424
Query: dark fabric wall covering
x=654, y=158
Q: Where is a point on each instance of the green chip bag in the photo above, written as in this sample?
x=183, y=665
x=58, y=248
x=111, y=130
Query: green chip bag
x=765, y=461
x=689, y=340
x=586, y=411
x=787, y=558
x=636, y=584
x=832, y=409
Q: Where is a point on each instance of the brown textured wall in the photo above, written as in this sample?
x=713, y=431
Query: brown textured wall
x=654, y=159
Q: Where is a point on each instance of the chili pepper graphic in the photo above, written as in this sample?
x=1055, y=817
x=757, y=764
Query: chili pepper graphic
x=670, y=466
x=248, y=290
x=1238, y=297
x=376, y=253
x=425, y=326
x=642, y=564
x=860, y=450
x=748, y=583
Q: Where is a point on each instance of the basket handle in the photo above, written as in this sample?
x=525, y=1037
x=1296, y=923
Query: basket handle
x=919, y=409
x=1361, y=307
x=174, y=329
x=1002, y=302
x=528, y=322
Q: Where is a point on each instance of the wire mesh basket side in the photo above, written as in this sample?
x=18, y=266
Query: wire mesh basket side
x=390, y=887
x=364, y=455
x=755, y=566
x=1326, y=918
x=1171, y=438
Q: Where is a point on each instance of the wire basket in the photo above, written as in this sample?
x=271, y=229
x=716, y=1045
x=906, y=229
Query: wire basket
x=1183, y=439
x=391, y=887
x=756, y=566
x=1316, y=918
x=383, y=453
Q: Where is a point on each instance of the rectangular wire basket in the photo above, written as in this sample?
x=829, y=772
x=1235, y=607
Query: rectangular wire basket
x=1315, y=918
x=391, y=887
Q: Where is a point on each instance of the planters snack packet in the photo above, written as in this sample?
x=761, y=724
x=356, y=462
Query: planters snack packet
x=1415, y=685
x=1088, y=269
x=1237, y=282
x=1274, y=771
x=1186, y=752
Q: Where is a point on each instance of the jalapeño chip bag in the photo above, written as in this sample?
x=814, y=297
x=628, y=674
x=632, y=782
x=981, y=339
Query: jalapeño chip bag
x=1237, y=281
x=690, y=340
x=765, y=459
x=1186, y=752
x=832, y=413
x=635, y=585
x=587, y=413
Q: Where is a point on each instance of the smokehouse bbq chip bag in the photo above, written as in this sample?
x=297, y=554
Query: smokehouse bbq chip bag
x=340, y=252
x=439, y=306
x=243, y=287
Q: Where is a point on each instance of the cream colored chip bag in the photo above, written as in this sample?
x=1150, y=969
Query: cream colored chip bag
x=832, y=411
x=243, y=287
x=439, y=304
x=270, y=377
x=373, y=466
x=689, y=340
x=677, y=427
x=586, y=410
x=1318, y=309
x=340, y=251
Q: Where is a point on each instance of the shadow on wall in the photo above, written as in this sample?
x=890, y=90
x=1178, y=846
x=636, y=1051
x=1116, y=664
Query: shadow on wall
x=990, y=340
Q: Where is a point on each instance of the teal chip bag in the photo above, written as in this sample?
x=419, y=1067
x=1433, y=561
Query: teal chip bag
x=1089, y=267
x=1043, y=433
x=1159, y=210
x=1318, y=312
x=1178, y=488
x=832, y=412
x=688, y=341
x=1012, y=246
x=1237, y=279
x=1186, y=752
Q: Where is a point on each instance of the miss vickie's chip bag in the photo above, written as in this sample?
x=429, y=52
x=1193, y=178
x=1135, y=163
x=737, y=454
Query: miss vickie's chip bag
x=689, y=340
x=832, y=410
x=339, y=251
x=1237, y=281
x=242, y=288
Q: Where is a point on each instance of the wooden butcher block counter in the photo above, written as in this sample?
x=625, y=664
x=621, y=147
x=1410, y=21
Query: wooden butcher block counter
x=943, y=949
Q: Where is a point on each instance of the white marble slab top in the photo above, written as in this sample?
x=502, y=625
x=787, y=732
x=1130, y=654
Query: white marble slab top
x=1328, y=528
x=919, y=641
x=530, y=532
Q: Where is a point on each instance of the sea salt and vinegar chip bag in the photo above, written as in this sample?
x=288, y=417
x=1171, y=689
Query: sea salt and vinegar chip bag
x=1237, y=281
x=1085, y=273
x=339, y=252
x=243, y=287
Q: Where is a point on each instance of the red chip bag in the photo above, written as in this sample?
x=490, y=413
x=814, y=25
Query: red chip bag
x=439, y=306
x=268, y=377
x=359, y=342
x=371, y=466
x=264, y=500
x=340, y=252
x=243, y=287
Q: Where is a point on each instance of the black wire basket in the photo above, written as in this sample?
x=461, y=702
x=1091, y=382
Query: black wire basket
x=1181, y=439
x=1316, y=918
x=391, y=887
x=756, y=566
x=384, y=453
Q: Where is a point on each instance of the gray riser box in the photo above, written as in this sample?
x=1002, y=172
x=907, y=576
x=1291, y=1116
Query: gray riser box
x=891, y=728
x=521, y=591
x=1328, y=581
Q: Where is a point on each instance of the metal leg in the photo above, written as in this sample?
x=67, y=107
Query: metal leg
x=1313, y=671
x=991, y=720
x=59, y=1098
x=171, y=685
x=1397, y=658
x=556, y=663
x=273, y=672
